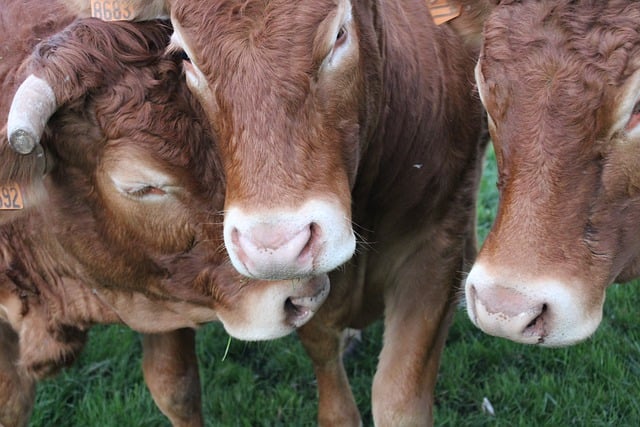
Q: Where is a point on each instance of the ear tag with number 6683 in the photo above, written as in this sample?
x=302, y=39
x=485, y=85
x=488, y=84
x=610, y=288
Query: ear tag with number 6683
x=112, y=10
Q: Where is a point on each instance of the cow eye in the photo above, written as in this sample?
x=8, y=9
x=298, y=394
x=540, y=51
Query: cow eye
x=634, y=120
x=183, y=55
x=147, y=190
x=341, y=36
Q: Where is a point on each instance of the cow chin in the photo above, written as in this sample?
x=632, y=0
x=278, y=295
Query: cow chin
x=271, y=310
x=284, y=244
x=546, y=312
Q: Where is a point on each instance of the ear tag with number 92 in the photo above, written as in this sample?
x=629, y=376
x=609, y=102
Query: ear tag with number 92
x=11, y=197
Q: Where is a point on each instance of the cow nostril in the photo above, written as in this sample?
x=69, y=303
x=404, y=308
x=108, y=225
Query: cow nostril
x=293, y=311
x=315, y=230
x=314, y=235
x=536, y=327
x=537, y=318
x=235, y=236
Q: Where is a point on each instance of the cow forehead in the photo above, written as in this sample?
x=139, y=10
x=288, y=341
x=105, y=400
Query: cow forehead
x=137, y=125
x=255, y=18
x=252, y=36
x=262, y=63
x=560, y=64
x=600, y=33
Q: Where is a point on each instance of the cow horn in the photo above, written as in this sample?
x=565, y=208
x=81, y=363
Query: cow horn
x=32, y=106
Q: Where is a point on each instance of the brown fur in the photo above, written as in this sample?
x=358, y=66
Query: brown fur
x=560, y=171
x=80, y=253
x=397, y=138
x=61, y=249
x=554, y=79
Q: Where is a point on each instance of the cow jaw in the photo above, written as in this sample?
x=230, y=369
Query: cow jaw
x=272, y=310
x=544, y=311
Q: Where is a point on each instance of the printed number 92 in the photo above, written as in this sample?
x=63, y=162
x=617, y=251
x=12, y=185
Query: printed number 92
x=10, y=198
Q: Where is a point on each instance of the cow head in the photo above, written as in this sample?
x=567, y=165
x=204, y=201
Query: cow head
x=281, y=84
x=125, y=176
x=561, y=84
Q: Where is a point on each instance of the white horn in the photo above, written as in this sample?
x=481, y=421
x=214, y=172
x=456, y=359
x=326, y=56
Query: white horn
x=32, y=106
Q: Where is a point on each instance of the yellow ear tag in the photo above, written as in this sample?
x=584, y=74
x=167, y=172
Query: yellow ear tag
x=112, y=10
x=10, y=197
x=443, y=10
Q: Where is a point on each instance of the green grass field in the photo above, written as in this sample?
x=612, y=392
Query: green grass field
x=595, y=383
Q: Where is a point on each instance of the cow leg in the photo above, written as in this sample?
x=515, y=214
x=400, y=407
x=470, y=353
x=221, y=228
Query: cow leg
x=324, y=345
x=418, y=314
x=170, y=369
x=17, y=388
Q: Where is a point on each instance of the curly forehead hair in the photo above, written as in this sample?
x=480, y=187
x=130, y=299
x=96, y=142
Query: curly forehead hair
x=601, y=35
x=563, y=56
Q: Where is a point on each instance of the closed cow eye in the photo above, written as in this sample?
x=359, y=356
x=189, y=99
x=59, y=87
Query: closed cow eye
x=147, y=190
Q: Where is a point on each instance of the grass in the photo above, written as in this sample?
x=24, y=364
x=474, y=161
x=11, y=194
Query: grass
x=594, y=383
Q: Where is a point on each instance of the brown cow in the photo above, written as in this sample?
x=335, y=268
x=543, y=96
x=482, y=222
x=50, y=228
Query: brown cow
x=330, y=113
x=321, y=107
x=119, y=214
x=561, y=83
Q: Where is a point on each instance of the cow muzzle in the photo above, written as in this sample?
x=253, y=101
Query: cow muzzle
x=544, y=311
x=285, y=244
x=270, y=310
